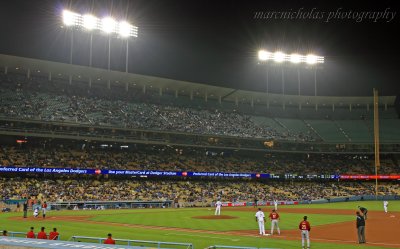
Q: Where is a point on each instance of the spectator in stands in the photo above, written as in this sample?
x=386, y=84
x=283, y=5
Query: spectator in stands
x=5, y=233
x=42, y=234
x=109, y=240
x=31, y=234
x=54, y=234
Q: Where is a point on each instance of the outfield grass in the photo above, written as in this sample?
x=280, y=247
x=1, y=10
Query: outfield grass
x=181, y=218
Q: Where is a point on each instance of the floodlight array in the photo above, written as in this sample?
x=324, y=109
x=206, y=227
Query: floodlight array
x=108, y=25
x=280, y=57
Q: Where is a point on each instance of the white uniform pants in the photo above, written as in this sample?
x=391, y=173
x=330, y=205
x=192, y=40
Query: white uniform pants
x=385, y=208
x=305, y=235
x=261, y=227
x=275, y=223
x=218, y=210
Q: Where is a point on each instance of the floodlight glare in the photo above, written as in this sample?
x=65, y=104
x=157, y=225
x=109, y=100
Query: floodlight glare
x=311, y=59
x=89, y=22
x=264, y=55
x=295, y=58
x=70, y=18
x=108, y=25
x=124, y=29
x=279, y=56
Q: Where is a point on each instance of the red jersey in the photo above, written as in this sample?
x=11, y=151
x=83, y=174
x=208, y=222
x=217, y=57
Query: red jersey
x=53, y=235
x=42, y=235
x=109, y=241
x=304, y=225
x=44, y=205
x=30, y=235
x=274, y=216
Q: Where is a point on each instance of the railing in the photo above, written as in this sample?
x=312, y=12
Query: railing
x=141, y=242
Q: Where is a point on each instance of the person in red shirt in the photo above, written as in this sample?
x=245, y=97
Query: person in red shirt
x=109, y=240
x=274, y=216
x=42, y=234
x=54, y=235
x=5, y=233
x=31, y=234
x=305, y=228
x=44, y=209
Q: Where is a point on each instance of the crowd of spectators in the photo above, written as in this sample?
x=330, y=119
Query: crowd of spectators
x=168, y=158
x=39, y=100
x=188, y=192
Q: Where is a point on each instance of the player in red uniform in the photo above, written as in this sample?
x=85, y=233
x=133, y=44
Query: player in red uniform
x=274, y=216
x=42, y=234
x=109, y=240
x=31, y=234
x=54, y=235
x=305, y=228
x=44, y=209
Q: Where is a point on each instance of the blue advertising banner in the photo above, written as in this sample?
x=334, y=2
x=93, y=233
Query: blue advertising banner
x=159, y=173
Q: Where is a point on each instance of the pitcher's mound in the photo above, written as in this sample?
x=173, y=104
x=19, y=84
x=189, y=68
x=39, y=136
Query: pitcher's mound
x=215, y=217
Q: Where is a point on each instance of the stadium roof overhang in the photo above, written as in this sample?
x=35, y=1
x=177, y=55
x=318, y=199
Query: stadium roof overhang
x=178, y=87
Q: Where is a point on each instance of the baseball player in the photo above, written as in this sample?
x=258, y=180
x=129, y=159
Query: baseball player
x=385, y=206
x=276, y=205
x=44, y=209
x=305, y=228
x=274, y=216
x=260, y=219
x=36, y=212
x=364, y=211
x=218, y=208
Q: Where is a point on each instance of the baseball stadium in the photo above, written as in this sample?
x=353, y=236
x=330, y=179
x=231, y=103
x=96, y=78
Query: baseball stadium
x=110, y=139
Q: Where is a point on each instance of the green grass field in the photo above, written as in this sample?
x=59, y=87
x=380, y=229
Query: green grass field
x=123, y=225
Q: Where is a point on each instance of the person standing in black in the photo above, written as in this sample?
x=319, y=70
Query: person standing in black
x=25, y=209
x=360, y=224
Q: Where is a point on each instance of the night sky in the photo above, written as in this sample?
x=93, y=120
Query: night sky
x=216, y=42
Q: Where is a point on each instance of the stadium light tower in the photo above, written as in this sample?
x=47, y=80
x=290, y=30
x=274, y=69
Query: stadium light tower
x=107, y=26
x=280, y=58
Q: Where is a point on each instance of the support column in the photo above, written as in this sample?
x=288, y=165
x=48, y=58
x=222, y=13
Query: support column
x=5, y=70
x=28, y=73
x=49, y=77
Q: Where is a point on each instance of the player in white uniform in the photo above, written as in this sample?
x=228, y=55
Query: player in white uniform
x=385, y=206
x=36, y=212
x=218, y=208
x=260, y=218
x=276, y=205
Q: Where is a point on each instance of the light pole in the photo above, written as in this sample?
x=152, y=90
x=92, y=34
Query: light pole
x=107, y=25
x=280, y=58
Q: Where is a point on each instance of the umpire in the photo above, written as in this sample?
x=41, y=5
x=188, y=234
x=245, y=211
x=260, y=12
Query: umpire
x=360, y=228
x=25, y=209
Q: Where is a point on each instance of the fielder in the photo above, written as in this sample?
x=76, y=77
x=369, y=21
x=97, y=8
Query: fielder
x=305, y=228
x=276, y=205
x=274, y=216
x=385, y=206
x=260, y=219
x=218, y=208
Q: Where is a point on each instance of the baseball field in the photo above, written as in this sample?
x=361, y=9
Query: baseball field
x=333, y=225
